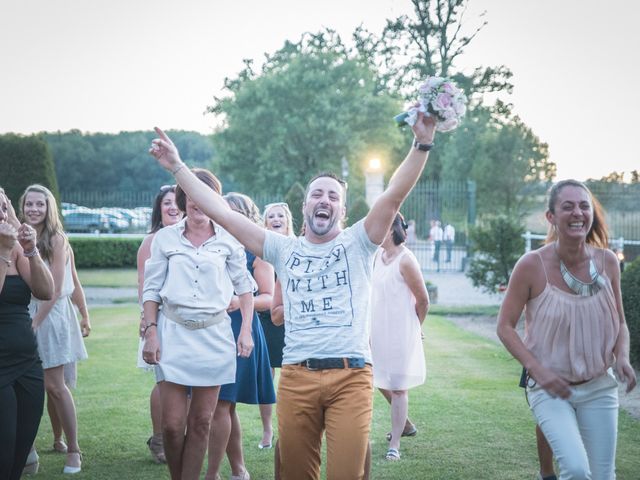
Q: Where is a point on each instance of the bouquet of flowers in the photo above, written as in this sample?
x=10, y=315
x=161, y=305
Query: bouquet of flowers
x=440, y=98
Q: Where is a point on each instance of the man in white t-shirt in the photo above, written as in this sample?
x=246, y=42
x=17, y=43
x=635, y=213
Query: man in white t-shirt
x=325, y=381
x=435, y=235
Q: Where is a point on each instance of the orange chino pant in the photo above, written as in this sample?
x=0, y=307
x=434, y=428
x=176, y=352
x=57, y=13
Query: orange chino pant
x=339, y=401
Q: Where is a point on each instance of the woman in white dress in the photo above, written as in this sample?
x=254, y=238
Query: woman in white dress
x=57, y=329
x=399, y=305
x=165, y=212
x=194, y=269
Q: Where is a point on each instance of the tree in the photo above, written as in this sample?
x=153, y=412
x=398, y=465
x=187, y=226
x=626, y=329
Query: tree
x=312, y=103
x=497, y=244
x=295, y=199
x=120, y=162
x=25, y=160
x=511, y=168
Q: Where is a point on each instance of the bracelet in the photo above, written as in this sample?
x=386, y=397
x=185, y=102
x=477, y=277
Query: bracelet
x=423, y=147
x=6, y=260
x=32, y=253
x=148, y=327
x=178, y=168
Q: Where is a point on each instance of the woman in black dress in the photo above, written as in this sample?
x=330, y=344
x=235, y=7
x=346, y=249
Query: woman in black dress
x=22, y=272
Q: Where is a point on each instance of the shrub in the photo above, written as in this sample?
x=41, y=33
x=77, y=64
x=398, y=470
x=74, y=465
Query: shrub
x=25, y=160
x=497, y=245
x=105, y=252
x=630, y=284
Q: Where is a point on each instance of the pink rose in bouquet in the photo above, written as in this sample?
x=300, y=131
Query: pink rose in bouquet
x=440, y=98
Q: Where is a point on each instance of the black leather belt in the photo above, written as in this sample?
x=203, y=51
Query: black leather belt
x=327, y=363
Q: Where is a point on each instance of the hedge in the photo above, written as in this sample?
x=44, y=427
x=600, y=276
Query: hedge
x=630, y=284
x=105, y=252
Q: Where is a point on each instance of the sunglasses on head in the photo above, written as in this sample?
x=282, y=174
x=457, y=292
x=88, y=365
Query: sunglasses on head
x=165, y=188
x=276, y=204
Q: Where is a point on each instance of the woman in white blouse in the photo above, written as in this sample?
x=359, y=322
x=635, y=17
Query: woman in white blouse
x=194, y=269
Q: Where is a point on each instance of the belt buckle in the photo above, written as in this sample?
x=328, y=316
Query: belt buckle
x=192, y=324
x=307, y=363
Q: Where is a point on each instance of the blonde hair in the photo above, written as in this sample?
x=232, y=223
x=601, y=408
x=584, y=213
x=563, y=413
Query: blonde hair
x=287, y=214
x=243, y=204
x=52, y=223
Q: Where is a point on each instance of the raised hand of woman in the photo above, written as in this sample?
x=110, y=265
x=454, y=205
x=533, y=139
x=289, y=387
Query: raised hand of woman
x=164, y=151
x=27, y=237
x=8, y=237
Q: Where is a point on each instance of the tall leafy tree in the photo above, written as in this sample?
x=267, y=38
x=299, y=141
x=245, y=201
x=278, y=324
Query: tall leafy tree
x=311, y=104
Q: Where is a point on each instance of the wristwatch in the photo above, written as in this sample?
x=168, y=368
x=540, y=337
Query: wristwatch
x=423, y=147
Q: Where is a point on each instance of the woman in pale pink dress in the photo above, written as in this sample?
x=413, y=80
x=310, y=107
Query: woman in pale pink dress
x=399, y=305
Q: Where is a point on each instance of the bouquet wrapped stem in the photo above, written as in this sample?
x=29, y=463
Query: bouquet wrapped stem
x=440, y=98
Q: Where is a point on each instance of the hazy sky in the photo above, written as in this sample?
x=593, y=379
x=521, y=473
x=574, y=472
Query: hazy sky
x=107, y=66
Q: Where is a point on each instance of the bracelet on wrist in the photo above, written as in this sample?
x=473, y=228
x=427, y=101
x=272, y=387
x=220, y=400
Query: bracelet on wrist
x=31, y=253
x=147, y=327
x=177, y=168
x=423, y=147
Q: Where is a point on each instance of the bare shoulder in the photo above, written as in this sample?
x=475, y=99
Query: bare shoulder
x=611, y=262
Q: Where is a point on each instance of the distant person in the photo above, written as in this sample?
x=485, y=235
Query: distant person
x=411, y=232
x=325, y=383
x=399, y=305
x=575, y=333
x=164, y=212
x=22, y=274
x=253, y=381
x=60, y=336
x=435, y=235
x=194, y=269
x=449, y=236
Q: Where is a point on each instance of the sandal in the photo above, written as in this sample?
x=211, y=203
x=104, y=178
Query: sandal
x=405, y=433
x=33, y=463
x=392, y=455
x=71, y=469
x=156, y=447
x=59, y=446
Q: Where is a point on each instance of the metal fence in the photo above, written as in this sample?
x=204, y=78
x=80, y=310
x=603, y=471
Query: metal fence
x=129, y=214
x=626, y=249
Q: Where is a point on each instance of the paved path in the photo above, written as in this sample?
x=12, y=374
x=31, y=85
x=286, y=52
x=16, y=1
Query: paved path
x=97, y=296
x=455, y=289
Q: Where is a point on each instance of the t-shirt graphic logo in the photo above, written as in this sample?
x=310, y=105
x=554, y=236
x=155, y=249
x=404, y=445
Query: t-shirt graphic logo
x=319, y=290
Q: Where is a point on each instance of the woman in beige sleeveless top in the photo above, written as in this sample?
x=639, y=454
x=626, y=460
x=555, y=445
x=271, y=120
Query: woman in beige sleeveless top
x=576, y=334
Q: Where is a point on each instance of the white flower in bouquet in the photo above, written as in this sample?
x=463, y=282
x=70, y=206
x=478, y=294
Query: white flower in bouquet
x=440, y=98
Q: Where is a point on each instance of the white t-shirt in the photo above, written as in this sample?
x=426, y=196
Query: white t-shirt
x=436, y=233
x=325, y=290
x=449, y=232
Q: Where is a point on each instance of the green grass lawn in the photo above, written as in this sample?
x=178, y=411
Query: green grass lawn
x=108, y=277
x=473, y=420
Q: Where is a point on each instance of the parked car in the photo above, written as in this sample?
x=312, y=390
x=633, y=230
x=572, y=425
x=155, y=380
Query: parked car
x=86, y=221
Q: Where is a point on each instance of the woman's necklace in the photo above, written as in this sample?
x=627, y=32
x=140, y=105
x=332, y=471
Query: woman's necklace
x=578, y=286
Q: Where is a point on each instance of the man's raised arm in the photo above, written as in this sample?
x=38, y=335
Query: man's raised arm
x=378, y=221
x=210, y=202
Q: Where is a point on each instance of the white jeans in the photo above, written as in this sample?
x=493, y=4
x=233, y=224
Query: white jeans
x=582, y=430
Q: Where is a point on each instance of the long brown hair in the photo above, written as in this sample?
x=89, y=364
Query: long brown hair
x=599, y=234
x=52, y=223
